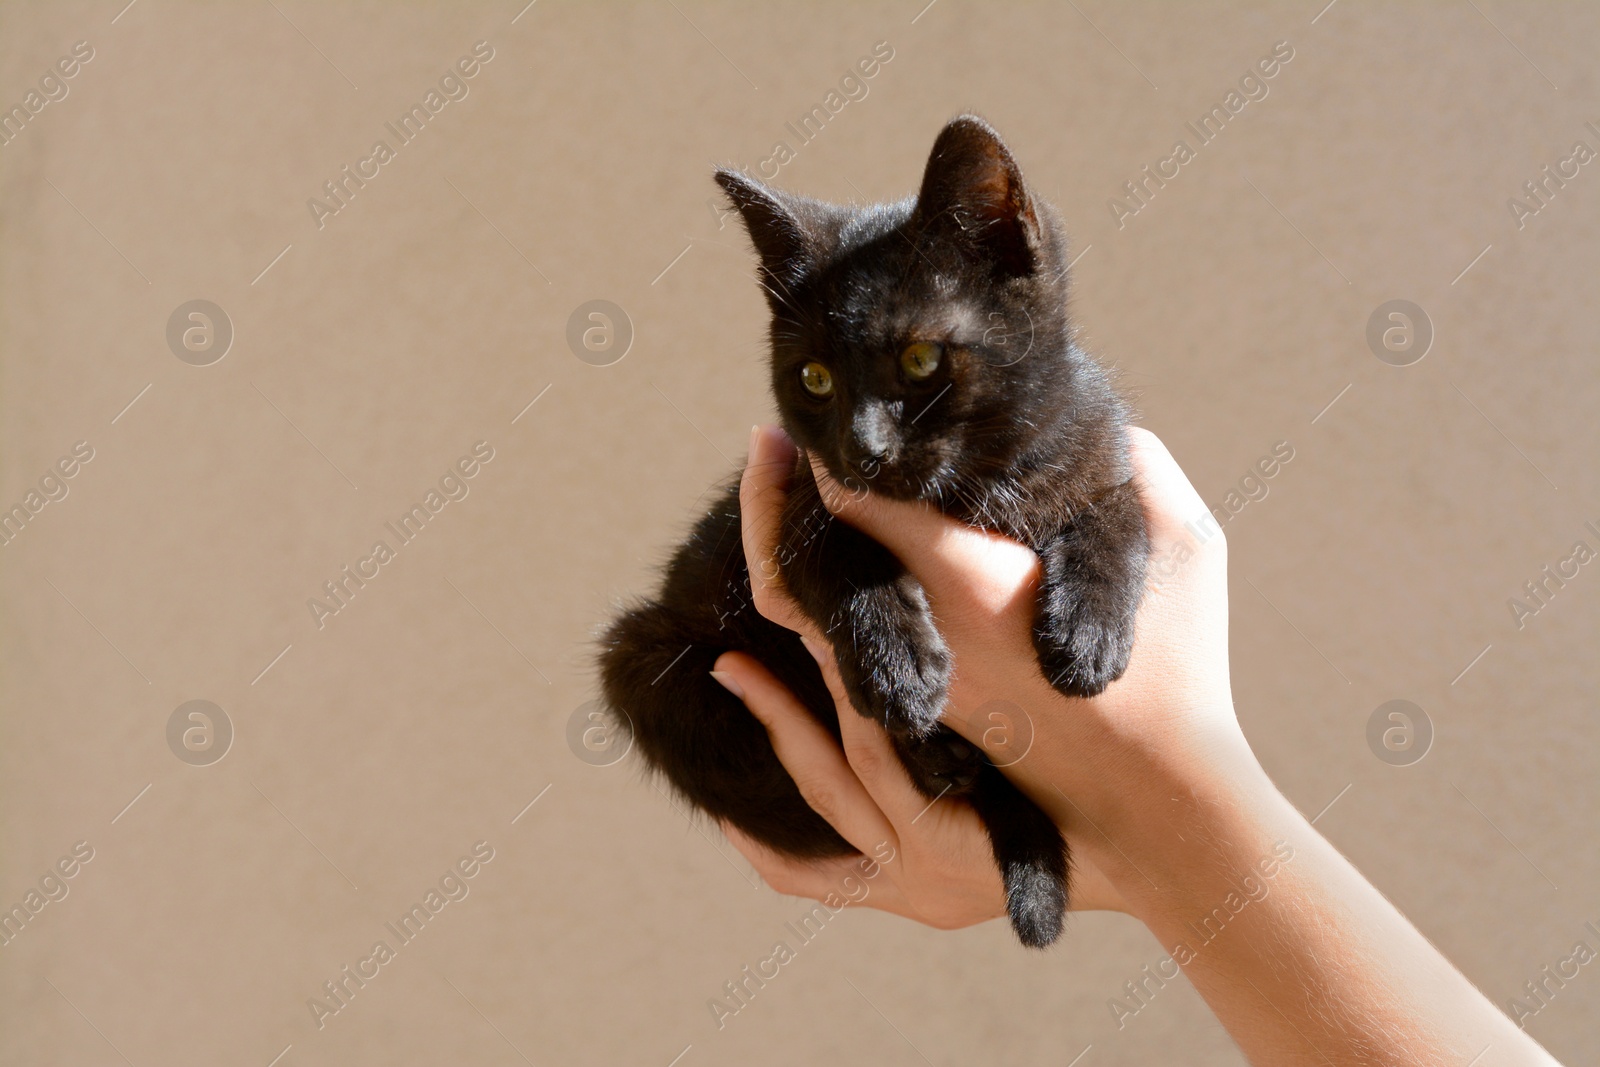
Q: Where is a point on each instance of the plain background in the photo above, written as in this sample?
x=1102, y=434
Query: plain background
x=371, y=753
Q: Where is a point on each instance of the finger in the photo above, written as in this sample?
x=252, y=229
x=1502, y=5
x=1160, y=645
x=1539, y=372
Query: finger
x=869, y=751
x=961, y=567
x=957, y=882
x=788, y=875
x=1172, y=506
x=763, y=489
x=808, y=752
x=839, y=880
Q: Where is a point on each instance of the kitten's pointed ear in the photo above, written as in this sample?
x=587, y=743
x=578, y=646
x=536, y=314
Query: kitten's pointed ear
x=973, y=187
x=775, y=223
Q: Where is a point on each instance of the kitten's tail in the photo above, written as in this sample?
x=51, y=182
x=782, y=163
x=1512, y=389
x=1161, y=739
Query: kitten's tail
x=1032, y=855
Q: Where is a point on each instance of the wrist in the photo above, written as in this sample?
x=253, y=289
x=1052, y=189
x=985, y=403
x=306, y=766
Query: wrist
x=1192, y=829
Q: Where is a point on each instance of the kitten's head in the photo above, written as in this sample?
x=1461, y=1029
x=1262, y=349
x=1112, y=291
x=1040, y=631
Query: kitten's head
x=921, y=347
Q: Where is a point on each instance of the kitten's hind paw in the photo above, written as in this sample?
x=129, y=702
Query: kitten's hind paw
x=941, y=764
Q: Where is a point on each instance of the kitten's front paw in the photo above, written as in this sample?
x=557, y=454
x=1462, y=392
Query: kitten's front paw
x=1083, y=651
x=1089, y=595
x=894, y=664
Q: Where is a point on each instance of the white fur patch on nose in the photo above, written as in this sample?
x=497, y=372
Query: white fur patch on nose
x=873, y=429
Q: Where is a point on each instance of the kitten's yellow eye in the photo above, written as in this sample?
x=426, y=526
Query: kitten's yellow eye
x=920, y=360
x=817, y=379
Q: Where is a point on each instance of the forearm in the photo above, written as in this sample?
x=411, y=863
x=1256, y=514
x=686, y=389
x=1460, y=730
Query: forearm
x=1299, y=956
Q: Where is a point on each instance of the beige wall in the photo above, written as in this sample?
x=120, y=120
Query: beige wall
x=425, y=315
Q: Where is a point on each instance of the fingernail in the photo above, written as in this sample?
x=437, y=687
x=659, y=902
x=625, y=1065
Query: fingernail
x=729, y=682
x=750, y=449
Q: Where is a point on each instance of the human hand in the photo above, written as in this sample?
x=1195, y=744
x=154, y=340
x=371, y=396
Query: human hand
x=1108, y=768
x=982, y=588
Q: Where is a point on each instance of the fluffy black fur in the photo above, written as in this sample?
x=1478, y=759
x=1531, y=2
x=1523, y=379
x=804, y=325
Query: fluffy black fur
x=1017, y=430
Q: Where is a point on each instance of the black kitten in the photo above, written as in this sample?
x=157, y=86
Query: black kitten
x=920, y=349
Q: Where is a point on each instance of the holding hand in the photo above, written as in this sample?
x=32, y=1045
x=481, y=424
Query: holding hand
x=982, y=588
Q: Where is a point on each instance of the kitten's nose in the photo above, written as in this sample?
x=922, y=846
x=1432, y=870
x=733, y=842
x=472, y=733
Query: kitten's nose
x=871, y=435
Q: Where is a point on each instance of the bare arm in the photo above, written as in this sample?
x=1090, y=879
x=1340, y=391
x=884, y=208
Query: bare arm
x=1170, y=817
